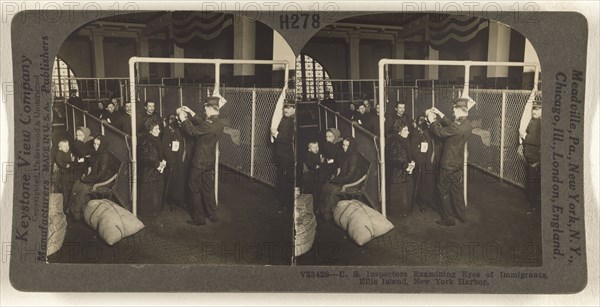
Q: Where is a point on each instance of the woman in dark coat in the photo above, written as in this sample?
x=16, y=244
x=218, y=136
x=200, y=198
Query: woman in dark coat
x=402, y=165
x=330, y=151
x=426, y=152
x=83, y=146
x=352, y=166
x=173, y=147
x=151, y=163
x=332, y=146
x=103, y=165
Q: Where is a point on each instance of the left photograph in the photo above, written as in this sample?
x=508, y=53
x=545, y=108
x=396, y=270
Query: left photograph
x=173, y=142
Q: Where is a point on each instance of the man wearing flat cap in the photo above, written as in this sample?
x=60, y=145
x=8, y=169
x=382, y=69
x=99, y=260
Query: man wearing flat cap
x=531, y=140
x=284, y=155
x=454, y=134
x=207, y=133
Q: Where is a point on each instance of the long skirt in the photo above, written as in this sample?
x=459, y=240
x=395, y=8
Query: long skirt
x=79, y=199
x=330, y=196
x=150, y=197
x=400, y=197
x=426, y=193
x=175, y=182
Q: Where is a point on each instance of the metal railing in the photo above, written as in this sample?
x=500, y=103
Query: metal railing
x=367, y=146
x=119, y=141
x=384, y=63
x=133, y=61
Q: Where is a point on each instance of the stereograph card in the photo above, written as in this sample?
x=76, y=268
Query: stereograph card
x=288, y=147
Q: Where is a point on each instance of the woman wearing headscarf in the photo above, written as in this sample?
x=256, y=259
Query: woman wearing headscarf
x=352, y=166
x=152, y=163
x=82, y=150
x=103, y=165
x=332, y=147
x=173, y=147
x=426, y=152
x=402, y=165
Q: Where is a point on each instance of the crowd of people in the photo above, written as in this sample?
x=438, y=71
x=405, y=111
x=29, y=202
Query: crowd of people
x=175, y=159
x=424, y=160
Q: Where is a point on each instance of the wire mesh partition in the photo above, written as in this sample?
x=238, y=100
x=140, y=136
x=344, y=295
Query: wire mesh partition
x=264, y=168
x=367, y=146
x=484, y=142
x=513, y=168
x=119, y=146
x=246, y=145
x=236, y=143
x=492, y=127
x=242, y=116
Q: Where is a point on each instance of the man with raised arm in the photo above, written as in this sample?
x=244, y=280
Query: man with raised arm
x=454, y=134
x=207, y=133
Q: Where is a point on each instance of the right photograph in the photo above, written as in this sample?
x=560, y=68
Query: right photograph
x=418, y=143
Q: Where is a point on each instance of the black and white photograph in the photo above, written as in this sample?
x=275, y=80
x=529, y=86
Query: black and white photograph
x=325, y=149
x=172, y=140
x=419, y=143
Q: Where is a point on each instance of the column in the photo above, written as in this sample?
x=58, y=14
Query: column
x=244, y=47
x=432, y=71
x=98, y=54
x=398, y=71
x=177, y=70
x=498, y=49
x=143, y=51
x=354, y=46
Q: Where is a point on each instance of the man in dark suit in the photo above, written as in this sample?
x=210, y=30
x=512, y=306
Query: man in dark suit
x=454, y=134
x=285, y=157
x=396, y=120
x=531, y=152
x=126, y=118
x=207, y=133
x=149, y=111
x=361, y=117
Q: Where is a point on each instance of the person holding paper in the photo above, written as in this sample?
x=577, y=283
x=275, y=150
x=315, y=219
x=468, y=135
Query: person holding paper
x=426, y=152
x=173, y=147
x=151, y=165
x=402, y=165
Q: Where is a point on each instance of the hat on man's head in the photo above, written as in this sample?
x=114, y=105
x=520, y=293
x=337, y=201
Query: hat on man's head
x=212, y=101
x=464, y=103
x=461, y=103
x=537, y=104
